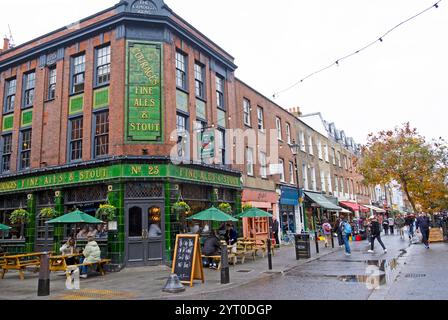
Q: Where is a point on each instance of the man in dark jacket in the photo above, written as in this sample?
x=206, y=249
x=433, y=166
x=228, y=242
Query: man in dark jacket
x=409, y=222
x=337, y=229
x=423, y=224
x=212, y=247
x=275, y=226
x=375, y=233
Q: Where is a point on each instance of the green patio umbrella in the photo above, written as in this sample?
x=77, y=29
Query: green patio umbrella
x=255, y=213
x=75, y=217
x=212, y=214
x=4, y=228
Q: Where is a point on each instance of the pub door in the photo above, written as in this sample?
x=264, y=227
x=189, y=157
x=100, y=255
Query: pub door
x=144, y=233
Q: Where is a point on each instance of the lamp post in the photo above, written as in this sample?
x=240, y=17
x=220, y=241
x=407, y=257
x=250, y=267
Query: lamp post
x=295, y=150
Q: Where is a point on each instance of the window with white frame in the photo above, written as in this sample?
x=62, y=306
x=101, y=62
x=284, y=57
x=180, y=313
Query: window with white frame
x=291, y=172
x=319, y=150
x=330, y=185
x=313, y=178
x=310, y=145
x=302, y=141
x=282, y=167
x=260, y=118
x=341, y=179
x=250, y=161
x=322, y=181
x=327, y=158
x=220, y=92
x=263, y=165
x=336, y=185
x=278, y=125
x=288, y=133
x=246, y=112
x=181, y=71
x=339, y=159
x=199, y=80
x=103, y=65
x=305, y=176
x=334, y=155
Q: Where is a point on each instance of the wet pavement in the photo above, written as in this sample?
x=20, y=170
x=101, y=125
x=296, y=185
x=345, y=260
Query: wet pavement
x=405, y=272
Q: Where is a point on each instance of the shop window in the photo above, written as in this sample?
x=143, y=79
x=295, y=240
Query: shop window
x=154, y=222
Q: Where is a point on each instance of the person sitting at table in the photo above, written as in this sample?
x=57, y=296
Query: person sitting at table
x=91, y=252
x=83, y=232
x=212, y=247
x=67, y=249
x=231, y=235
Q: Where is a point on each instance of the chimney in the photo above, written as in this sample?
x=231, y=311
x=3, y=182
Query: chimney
x=295, y=111
x=5, y=44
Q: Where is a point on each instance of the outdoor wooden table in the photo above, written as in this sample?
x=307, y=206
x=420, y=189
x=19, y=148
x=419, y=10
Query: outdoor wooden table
x=245, y=247
x=59, y=263
x=20, y=262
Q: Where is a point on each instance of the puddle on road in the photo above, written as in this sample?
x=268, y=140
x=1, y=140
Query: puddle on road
x=378, y=273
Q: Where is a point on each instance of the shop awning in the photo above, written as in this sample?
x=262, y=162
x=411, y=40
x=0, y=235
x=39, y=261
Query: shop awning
x=354, y=206
x=376, y=209
x=322, y=201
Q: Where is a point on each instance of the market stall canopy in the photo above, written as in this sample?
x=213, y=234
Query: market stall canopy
x=255, y=213
x=376, y=209
x=345, y=211
x=354, y=206
x=4, y=228
x=322, y=201
x=75, y=217
x=212, y=214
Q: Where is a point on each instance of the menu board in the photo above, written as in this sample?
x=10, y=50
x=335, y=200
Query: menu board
x=187, y=262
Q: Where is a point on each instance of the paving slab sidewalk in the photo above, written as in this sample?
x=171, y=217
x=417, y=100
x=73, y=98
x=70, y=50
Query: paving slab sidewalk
x=141, y=283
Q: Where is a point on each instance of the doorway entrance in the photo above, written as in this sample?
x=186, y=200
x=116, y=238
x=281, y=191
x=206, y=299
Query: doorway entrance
x=145, y=233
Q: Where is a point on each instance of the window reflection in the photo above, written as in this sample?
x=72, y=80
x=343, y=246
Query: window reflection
x=154, y=221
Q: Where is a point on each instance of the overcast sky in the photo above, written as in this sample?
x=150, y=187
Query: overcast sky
x=276, y=43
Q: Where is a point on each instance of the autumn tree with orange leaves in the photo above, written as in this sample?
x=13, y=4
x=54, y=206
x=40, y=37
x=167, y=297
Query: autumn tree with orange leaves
x=420, y=167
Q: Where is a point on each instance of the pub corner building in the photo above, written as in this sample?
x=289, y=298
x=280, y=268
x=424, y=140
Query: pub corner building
x=88, y=113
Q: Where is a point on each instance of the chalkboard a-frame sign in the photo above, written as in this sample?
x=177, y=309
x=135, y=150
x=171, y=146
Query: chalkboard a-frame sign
x=187, y=261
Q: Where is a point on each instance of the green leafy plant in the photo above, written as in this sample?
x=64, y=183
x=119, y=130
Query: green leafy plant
x=106, y=212
x=247, y=207
x=181, y=206
x=225, y=207
x=19, y=216
x=47, y=213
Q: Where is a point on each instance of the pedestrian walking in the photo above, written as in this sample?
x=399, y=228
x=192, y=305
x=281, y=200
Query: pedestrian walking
x=400, y=223
x=326, y=227
x=409, y=222
x=391, y=225
x=346, y=230
x=337, y=229
x=375, y=233
x=424, y=225
x=386, y=226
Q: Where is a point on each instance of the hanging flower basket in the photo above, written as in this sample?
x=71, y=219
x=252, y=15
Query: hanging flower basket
x=181, y=207
x=106, y=212
x=225, y=207
x=19, y=216
x=47, y=213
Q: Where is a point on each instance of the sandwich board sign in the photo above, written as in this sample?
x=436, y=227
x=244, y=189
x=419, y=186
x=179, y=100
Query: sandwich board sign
x=187, y=260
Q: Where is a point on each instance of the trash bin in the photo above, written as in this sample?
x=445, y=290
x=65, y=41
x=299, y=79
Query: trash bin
x=303, y=247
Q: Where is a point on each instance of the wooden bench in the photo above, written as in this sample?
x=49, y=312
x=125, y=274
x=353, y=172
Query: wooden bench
x=231, y=256
x=59, y=263
x=100, y=265
x=244, y=248
x=20, y=262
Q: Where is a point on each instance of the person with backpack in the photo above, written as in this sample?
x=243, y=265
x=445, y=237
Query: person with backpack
x=375, y=233
x=346, y=233
x=326, y=227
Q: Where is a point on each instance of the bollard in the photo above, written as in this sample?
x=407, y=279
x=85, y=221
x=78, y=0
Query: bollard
x=269, y=243
x=225, y=274
x=316, y=239
x=332, y=240
x=43, y=287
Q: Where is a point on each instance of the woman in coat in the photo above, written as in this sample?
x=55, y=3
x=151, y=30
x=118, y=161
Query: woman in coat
x=91, y=252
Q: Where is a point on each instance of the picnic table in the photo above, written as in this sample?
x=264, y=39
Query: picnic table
x=20, y=262
x=59, y=263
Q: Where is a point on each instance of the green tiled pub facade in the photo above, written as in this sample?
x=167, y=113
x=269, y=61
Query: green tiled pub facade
x=142, y=191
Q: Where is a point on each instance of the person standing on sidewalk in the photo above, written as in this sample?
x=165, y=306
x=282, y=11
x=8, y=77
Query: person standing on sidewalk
x=375, y=232
x=424, y=225
x=399, y=223
x=326, y=227
x=275, y=226
x=409, y=222
x=386, y=226
x=346, y=230
x=391, y=224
